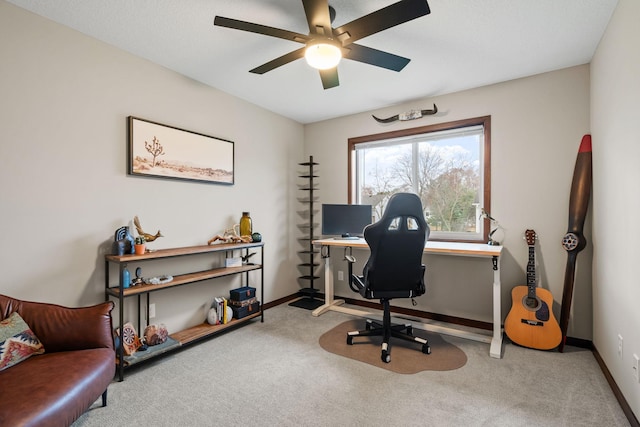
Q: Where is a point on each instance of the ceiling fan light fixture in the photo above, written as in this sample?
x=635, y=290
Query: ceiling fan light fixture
x=323, y=55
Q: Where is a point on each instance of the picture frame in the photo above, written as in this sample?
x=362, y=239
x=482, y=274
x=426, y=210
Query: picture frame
x=161, y=151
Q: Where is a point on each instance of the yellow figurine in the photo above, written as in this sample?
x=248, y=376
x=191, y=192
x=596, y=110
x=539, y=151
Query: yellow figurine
x=147, y=237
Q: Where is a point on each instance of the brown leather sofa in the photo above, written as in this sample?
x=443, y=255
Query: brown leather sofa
x=56, y=387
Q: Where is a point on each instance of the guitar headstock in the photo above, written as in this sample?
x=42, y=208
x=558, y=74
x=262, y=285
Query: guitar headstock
x=530, y=236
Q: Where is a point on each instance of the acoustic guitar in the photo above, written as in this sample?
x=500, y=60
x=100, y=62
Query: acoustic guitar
x=530, y=322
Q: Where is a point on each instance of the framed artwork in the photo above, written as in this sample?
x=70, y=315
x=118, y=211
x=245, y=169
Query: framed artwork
x=157, y=150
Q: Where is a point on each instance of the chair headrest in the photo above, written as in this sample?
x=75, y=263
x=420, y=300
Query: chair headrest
x=401, y=204
x=405, y=205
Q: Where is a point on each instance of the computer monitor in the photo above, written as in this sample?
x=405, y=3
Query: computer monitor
x=345, y=221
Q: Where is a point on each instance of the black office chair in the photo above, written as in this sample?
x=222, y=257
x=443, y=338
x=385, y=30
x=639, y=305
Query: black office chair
x=394, y=268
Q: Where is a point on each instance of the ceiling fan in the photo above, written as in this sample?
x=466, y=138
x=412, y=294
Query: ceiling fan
x=325, y=45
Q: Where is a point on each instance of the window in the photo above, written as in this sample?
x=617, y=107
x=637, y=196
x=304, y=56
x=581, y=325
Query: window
x=447, y=165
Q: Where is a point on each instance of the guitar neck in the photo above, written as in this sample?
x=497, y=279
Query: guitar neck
x=531, y=272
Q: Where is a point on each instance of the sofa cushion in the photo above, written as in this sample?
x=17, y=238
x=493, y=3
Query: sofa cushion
x=17, y=341
x=54, y=389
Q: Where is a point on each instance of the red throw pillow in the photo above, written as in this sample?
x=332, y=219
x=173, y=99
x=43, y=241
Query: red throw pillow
x=17, y=341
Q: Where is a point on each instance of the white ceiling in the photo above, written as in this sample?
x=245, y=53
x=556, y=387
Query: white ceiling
x=462, y=44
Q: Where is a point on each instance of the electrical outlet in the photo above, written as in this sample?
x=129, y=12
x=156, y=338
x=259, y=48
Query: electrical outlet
x=620, y=346
x=636, y=367
x=152, y=311
x=340, y=275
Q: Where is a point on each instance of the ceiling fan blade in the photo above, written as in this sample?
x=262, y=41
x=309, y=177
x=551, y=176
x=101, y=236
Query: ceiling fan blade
x=574, y=241
x=221, y=21
x=275, y=63
x=375, y=57
x=329, y=77
x=390, y=16
x=318, y=17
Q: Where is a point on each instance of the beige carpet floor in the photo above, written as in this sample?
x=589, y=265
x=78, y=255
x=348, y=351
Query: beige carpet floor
x=276, y=374
x=406, y=357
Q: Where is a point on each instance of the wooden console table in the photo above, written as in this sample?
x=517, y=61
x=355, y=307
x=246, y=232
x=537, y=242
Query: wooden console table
x=189, y=335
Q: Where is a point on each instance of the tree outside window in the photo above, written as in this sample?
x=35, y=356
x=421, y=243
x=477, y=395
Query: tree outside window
x=447, y=165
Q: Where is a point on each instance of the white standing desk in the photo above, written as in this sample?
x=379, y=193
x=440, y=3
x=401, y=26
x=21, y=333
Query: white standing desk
x=437, y=248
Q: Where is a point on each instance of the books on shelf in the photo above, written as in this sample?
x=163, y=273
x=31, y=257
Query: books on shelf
x=220, y=305
x=242, y=302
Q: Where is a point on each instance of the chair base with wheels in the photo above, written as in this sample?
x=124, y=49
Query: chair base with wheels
x=388, y=330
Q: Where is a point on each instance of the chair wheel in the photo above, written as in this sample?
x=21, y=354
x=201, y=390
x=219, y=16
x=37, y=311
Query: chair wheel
x=349, y=340
x=410, y=330
x=426, y=349
x=386, y=357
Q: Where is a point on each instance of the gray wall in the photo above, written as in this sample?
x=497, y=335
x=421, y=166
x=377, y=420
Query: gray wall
x=615, y=112
x=63, y=182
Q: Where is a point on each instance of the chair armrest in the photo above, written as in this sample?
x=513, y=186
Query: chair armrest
x=64, y=328
x=356, y=283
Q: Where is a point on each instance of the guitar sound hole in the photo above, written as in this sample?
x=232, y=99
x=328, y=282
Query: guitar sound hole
x=531, y=303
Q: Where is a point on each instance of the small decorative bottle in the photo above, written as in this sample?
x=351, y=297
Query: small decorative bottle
x=245, y=224
x=126, y=278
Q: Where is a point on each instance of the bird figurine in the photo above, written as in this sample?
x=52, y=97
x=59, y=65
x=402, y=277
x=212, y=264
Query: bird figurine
x=147, y=237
